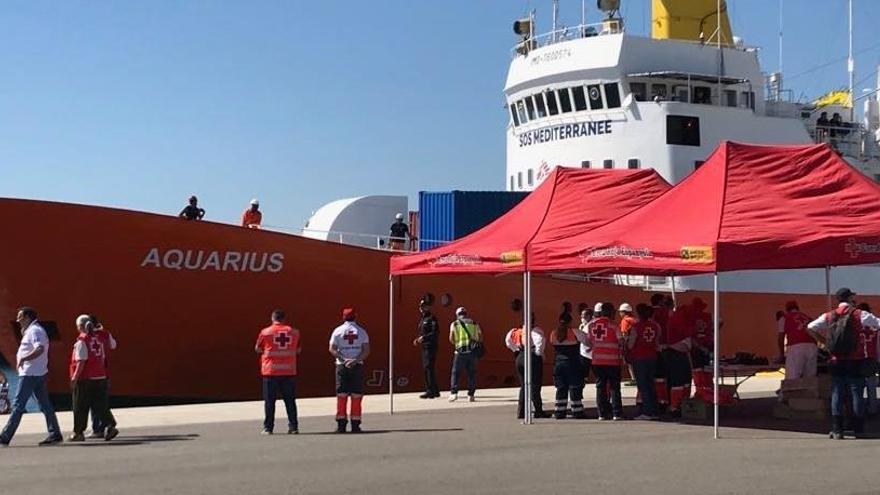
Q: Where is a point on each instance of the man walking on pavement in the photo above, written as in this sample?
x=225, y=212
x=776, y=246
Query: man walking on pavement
x=278, y=346
x=429, y=330
x=33, y=366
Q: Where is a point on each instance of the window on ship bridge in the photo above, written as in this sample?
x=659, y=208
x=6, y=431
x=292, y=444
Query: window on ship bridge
x=580, y=99
x=552, y=108
x=730, y=97
x=702, y=95
x=539, y=105
x=511, y=183
x=608, y=164
x=585, y=164
x=521, y=111
x=658, y=90
x=531, y=175
x=530, y=108
x=564, y=100
x=639, y=91
x=519, y=180
x=632, y=164
x=595, y=96
x=612, y=95
x=513, y=115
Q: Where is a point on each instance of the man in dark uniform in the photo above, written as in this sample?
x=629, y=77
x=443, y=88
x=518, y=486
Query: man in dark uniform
x=428, y=334
x=192, y=210
x=399, y=233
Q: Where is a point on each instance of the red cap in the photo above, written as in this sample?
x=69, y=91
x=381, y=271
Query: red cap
x=347, y=313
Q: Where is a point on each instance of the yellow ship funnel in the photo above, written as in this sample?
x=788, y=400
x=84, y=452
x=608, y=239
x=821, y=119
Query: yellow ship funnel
x=691, y=20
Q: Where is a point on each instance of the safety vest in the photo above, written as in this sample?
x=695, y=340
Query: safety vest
x=462, y=332
x=94, y=367
x=795, y=324
x=661, y=317
x=647, y=334
x=606, y=345
x=868, y=341
x=279, y=343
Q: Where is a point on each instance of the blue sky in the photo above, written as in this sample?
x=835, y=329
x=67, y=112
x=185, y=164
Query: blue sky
x=139, y=104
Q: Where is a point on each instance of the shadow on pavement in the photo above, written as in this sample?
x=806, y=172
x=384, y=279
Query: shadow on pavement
x=373, y=432
x=134, y=440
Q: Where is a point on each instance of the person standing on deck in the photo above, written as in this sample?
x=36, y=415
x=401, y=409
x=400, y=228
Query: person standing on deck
x=252, y=217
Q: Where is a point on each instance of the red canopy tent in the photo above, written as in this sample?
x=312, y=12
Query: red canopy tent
x=568, y=203
x=748, y=207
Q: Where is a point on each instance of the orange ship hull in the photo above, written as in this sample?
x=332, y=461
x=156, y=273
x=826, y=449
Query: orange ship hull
x=186, y=300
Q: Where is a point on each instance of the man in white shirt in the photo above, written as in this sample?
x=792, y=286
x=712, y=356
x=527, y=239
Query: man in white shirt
x=32, y=362
x=514, y=342
x=350, y=346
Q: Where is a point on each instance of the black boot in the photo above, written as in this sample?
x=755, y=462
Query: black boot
x=356, y=426
x=340, y=425
x=836, y=428
x=859, y=427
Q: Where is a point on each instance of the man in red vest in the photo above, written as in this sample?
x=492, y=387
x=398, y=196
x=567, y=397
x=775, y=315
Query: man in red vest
x=848, y=356
x=795, y=344
x=88, y=380
x=278, y=346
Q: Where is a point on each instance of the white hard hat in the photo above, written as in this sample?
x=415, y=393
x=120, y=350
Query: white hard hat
x=255, y=202
x=460, y=311
x=399, y=216
x=597, y=308
x=625, y=307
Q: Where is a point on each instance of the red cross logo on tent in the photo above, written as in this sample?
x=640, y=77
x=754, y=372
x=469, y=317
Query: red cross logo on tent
x=350, y=337
x=282, y=339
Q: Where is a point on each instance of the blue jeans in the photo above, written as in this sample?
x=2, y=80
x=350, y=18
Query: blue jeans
x=871, y=382
x=645, y=371
x=27, y=386
x=846, y=378
x=286, y=387
x=464, y=361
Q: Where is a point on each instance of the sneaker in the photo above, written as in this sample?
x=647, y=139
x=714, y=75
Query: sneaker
x=51, y=440
x=471, y=398
x=426, y=395
x=835, y=435
x=76, y=437
x=292, y=431
x=602, y=418
x=617, y=418
x=97, y=434
x=266, y=432
x=453, y=397
x=111, y=433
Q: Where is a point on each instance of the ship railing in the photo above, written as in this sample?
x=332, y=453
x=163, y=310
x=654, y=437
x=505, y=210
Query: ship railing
x=851, y=139
x=375, y=241
x=611, y=26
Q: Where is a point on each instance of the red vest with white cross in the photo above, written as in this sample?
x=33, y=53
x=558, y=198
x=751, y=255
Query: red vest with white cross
x=94, y=367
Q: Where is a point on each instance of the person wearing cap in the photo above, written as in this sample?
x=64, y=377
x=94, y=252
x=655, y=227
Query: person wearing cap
x=604, y=336
x=627, y=321
x=399, y=233
x=641, y=342
x=847, y=362
x=349, y=346
x=192, y=210
x=278, y=346
x=801, y=353
x=428, y=333
x=515, y=342
x=463, y=333
x=88, y=380
x=252, y=217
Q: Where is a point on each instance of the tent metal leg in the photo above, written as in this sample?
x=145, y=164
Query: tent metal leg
x=672, y=282
x=527, y=347
x=715, y=355
x=828, y=287
x=391, y=344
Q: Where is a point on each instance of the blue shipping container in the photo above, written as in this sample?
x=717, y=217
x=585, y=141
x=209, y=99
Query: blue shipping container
x=446, y=216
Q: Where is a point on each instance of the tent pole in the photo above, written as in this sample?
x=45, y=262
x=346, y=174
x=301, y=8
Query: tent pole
x=828, y=287
x=672, y=279
x=715, y=355
x=527, y=347
x=391, y=344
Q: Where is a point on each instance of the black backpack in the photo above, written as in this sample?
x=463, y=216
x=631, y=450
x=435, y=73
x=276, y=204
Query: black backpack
x=842, y=336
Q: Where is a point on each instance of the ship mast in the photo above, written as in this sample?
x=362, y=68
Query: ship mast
x=851, y=67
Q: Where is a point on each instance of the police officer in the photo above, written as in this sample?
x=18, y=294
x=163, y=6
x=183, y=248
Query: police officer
x=278, y=346
x=349, y=346
x=514, y=342
x=429, y=330
x=568, y=375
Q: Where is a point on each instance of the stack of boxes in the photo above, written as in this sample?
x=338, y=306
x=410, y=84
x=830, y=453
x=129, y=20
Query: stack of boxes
x=805, y=399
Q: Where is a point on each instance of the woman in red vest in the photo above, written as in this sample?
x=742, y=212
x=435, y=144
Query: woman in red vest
x=88, y=380
x=606, y=340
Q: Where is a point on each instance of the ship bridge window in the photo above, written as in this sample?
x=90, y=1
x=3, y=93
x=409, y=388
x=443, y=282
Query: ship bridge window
x=580, y=100
x=552, y=108
x=539, y=105
x=521, y=111
x=658, y=91
x=639, y=91
x=519, y=180
x=612, y=95
x=702, y=95
x=680, y=93
x=530, y=108
x=513, y=115
x=564, y=100
x=730, y=97
x=595, y=96
x=585, y=164
x=511, y=183
x=632, y=163
x=748, y=99
x=682, y=130
x=531, y=175
x=608, y=164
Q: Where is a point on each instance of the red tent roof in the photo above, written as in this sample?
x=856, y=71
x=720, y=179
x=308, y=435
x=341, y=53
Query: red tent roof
x=569, y=202
x=747, y=207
